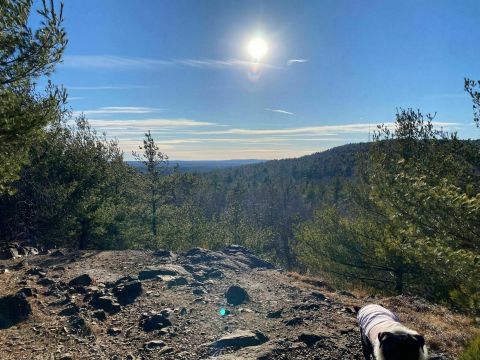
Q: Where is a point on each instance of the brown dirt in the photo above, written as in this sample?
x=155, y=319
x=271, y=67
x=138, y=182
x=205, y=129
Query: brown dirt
x=196, y=319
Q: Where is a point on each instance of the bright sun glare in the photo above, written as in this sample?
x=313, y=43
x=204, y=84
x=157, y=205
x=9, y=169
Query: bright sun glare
x=257, y=48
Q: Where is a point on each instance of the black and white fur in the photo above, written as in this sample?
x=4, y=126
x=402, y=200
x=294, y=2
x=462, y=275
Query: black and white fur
x=398, y=343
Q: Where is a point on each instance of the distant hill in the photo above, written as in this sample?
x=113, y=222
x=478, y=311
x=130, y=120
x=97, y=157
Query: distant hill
x=201, y=165
x=336, y=162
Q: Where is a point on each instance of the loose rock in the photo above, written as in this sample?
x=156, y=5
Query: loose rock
x=128, y=292
x=239, y=339
x=106, y=303
x=82, y=280
x=236, y=295
x=13, y=309
x=154, y=344
x=274, y=314
x=309, y=338
x=154, y=322
x=114, y=331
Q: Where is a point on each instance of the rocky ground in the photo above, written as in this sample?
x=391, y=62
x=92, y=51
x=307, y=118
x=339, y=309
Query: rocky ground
x=196, y=305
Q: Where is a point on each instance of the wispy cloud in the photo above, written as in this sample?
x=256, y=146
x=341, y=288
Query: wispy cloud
x=312, y=130
x=106, y=110
x=279, y=111
x=121, y=62
x=146, y=124
x=296, y=61
x=326, y=129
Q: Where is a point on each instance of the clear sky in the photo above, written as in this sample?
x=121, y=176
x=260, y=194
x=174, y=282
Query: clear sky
x=333, y=69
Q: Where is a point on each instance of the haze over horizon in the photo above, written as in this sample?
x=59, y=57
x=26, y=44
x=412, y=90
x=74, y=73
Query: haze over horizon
x=222, y=80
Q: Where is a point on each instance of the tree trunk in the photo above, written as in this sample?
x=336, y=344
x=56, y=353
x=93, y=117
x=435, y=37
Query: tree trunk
x=83, y=240
x=399, y=280
x=154, y=217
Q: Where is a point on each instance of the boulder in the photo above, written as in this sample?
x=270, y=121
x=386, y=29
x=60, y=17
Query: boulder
x=318, y=295
x=70, y=310
x=114, y=331
x=177, y=281
x=82, y=280
x=294, y=321
x=9, y=253
x=30, y=250
x=127, y=293
x=36, y=271
x=247, y=257
x=198, y=291
x=306, y=307
x=236, y=295
x=28, y=291
x=239, y=339
x=199, y=255
x=154, y=272
x=122, y=280
x=310, y=339
x=154, y=322
x=13, y=309
x=106, y=303
x=154, y=344
x=274, y=314
x=45, y=281
x=265, y=351
x=214, y=274
x=99, y=315
x=78, y=325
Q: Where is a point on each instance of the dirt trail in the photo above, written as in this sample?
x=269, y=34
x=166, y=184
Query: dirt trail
x=178, y=309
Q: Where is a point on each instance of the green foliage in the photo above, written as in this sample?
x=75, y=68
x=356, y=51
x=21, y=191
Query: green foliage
x=412, y=223
x=74, y=191
x=472, y=87
x=26, y=55
x=472, y=352
x=155, y=162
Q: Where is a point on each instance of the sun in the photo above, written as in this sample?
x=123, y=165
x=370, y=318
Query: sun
x=257, y=48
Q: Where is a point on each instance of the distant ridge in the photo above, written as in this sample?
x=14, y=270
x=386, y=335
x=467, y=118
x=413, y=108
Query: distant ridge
x=202, y=165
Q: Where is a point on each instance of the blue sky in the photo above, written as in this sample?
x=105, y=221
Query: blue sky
x=333, y=70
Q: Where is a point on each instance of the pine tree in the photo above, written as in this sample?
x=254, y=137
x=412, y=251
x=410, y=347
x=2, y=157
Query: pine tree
x=25, y=56
x=155, y=162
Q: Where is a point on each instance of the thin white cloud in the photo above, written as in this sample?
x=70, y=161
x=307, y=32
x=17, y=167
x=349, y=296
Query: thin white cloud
x=106, y=110
x=296, y=61
x=279, y=111
x=309, y=130
x=121, y=62
x=146, y=124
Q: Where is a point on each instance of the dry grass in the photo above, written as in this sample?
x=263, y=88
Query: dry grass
x=445, y=330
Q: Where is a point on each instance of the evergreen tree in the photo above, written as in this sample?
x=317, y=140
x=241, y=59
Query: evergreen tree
x=25, y=56
x=155, y=162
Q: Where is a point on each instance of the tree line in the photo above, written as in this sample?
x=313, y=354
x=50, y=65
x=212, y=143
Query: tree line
x=396, y=215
